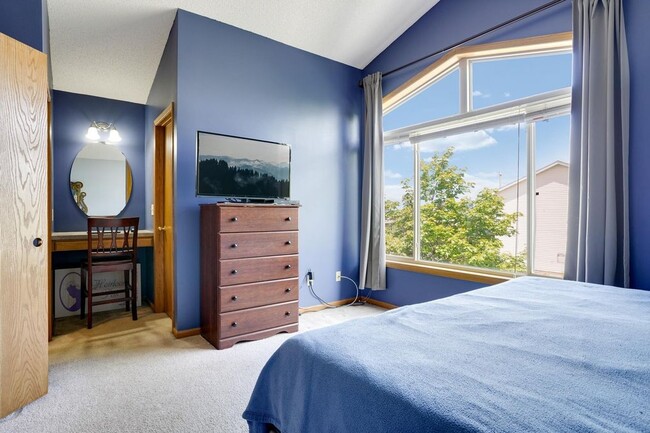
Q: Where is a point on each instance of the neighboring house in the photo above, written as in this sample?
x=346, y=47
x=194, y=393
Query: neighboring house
x=552, y=193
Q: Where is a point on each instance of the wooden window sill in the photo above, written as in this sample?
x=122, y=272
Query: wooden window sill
x=449, y=272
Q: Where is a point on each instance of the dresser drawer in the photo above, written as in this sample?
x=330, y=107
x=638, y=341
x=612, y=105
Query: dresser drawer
x=250, y=219
x=240, y=271
x=257, y=244
x=257, y=294
x=256, y=319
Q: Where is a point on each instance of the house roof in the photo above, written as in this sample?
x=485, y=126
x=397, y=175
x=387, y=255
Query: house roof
x=541, y=170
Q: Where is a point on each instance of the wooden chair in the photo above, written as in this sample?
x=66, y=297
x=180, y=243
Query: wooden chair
x=112, y=246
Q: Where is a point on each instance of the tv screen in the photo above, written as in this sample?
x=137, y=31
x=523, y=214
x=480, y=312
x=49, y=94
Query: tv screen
x=242, y=167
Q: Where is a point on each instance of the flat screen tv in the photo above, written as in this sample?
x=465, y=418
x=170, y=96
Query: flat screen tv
x=241, y=167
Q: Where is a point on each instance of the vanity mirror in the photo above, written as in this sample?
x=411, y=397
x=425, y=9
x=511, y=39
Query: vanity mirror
x=101, y=180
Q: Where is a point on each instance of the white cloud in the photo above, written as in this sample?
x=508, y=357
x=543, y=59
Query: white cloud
x=480, y=94
x=393, y=192
x=404, y=145
x=506, y=94
x=390, y=174
x=461, y=142
x=482, y=180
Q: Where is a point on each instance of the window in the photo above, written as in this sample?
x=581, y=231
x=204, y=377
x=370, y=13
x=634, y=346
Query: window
x=458, y=161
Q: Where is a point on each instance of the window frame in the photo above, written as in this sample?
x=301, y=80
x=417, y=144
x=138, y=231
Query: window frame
x=527, y=110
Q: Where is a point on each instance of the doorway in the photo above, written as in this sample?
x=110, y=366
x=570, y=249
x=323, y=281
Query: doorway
x=163, y=213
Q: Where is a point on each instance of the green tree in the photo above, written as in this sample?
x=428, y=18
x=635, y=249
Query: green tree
x=454, y=227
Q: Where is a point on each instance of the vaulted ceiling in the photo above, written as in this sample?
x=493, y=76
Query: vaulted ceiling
x=111, y=48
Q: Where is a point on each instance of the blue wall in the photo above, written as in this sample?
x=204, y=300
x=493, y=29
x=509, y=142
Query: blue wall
x=71, y=116
x=637, y=16
x=447, y=23
x=162, y=93
x=23, y=20
x=235, y=82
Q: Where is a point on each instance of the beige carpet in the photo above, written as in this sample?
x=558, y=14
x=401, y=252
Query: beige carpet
x=125, y=376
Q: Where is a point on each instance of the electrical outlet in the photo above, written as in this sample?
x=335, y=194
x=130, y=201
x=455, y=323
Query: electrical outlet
x=338, y=275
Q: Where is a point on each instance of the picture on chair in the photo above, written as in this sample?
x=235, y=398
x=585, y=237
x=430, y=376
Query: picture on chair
x=67, y=290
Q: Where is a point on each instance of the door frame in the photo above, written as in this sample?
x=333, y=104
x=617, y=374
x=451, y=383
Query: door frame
x=159, y=174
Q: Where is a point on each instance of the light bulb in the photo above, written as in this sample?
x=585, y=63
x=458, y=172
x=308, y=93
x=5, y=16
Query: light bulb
x=114, y=136
x=93, y=133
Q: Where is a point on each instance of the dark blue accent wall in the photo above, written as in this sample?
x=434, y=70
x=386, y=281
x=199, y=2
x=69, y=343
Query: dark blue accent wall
x=162, y=93
x=235, y=82
x=23, y=20
x=71, y=117
x=445, y=24
x=637, y=16
x=451, y=21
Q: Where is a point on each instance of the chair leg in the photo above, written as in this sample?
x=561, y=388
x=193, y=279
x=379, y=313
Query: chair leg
x=127, y=286
x=83, y=294
x=89, y=283
x=134, y=292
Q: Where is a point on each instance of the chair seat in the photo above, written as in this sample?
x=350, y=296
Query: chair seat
x=109, y=265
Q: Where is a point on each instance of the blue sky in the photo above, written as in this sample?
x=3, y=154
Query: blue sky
x=490, y=156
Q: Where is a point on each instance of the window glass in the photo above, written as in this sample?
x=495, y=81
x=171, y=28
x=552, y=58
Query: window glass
x=496, y=81
x=470, y=201
x=398, y=202
x=472, y=208
x=551, y=195
x=440, y=99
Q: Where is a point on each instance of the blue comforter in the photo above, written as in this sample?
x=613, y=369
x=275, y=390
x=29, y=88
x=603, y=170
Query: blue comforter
x=528, y=355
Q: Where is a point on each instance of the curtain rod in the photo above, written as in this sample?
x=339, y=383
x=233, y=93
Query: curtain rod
x=476, y=36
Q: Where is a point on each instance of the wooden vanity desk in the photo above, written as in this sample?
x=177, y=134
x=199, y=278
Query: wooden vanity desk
x=78, y=241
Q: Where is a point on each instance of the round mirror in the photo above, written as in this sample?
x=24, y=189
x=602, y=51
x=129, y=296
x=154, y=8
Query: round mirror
x=101, y=180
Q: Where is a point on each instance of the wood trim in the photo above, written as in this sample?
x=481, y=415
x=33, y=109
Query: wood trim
x=449, y=272
x=324, y=307
x=535, y=44
x=381, y=304
x=186, y=332
x=342, y=302
x=50, y=245
x=166, y=116
x=79, y=241
x=161, y=298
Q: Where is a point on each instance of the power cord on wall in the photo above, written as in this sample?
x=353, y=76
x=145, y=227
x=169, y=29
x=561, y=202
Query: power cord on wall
x=309, y=277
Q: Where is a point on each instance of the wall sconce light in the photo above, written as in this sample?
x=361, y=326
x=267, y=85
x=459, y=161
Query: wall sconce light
x=96, y=127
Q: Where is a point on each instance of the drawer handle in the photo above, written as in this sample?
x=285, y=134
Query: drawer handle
x=234, y=324
x=287, y=290
x=287, y=267
x=287, y=313
x=234, y=246
x=234, y=272
x=234, y=298
x=234, y=219
x=287, y=219
x=287, y=243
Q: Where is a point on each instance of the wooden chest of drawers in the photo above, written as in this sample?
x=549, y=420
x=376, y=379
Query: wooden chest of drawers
x=249, y=272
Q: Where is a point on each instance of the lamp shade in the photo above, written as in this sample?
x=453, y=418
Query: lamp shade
x=114, y=136
x=93, y=133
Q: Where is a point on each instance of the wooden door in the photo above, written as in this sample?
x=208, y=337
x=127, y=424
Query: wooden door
x=23, y=225
x=164, y=213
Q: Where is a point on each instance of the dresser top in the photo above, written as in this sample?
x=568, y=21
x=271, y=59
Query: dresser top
x=231, y=204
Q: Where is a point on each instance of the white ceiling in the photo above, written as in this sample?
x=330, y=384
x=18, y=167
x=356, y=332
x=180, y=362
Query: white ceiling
x=111, y=48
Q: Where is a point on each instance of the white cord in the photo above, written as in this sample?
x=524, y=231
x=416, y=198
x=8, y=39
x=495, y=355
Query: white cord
x=323, y=302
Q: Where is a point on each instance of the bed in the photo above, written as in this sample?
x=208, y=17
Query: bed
x=531, y=354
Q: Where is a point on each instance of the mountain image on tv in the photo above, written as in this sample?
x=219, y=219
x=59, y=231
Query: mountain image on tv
x=241, y=167
x=242, y=177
